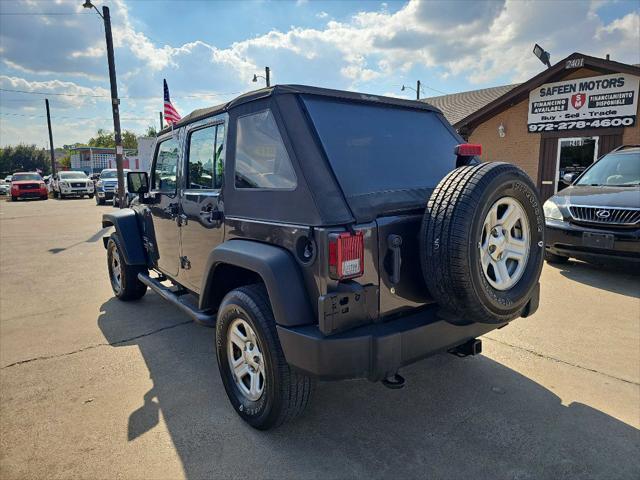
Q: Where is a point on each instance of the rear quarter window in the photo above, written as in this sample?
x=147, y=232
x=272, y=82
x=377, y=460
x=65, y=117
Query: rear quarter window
x=262, y=160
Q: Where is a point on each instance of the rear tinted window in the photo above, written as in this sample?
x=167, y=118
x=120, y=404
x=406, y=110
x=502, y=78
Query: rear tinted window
x=380, y=148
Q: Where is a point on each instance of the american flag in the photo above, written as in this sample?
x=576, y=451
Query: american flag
x=171, y=115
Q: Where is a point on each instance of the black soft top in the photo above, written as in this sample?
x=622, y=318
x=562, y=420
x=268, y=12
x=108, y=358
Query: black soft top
x=202, y=113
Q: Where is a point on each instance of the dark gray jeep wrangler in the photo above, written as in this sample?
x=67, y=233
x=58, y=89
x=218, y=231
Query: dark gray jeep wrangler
x=327, y=235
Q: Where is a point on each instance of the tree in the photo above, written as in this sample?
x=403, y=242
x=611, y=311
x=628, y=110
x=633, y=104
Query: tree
x=151, y=131
x=103, y=139
x=129, y=140
x=65, y=162
x=26, y=158
x=106, y=139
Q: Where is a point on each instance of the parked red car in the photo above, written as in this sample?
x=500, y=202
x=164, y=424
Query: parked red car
x=28, y=185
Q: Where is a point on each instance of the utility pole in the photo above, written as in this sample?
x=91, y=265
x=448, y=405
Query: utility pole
x=161, y=126
x=53, y=153
x=267, y=75
x=115, y=102
x=418, y=90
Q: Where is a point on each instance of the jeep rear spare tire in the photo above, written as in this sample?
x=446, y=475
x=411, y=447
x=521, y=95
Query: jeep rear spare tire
x=482, y=243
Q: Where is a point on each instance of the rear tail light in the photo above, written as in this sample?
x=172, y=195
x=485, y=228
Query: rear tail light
x=468, y=149
x=346, y=255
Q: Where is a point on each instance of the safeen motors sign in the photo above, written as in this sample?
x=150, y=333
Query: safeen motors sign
x=594, y=102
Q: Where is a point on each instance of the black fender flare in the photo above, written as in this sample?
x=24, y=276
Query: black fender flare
x=128, y=230
x=279, y=272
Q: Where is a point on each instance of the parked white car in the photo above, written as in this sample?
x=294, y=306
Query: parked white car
x=4, y=187
x=71, y=184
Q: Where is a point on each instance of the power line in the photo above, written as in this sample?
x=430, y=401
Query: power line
x=434, y=89
x=129, y=97
x=41, y=14
x=69, y=118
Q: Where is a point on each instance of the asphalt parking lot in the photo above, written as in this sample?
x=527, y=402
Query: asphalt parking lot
x=95, y=388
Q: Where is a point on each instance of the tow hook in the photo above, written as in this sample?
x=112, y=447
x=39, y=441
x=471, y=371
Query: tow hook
x=472, y=347
x=394, y=382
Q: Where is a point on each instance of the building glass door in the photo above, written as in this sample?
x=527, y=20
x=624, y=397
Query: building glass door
x=574, y=156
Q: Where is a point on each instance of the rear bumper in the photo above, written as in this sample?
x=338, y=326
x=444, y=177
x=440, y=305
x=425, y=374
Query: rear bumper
x=565, y=239
x=374, y=351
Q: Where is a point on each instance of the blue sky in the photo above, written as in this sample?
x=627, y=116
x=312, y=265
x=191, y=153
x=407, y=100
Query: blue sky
x=208, y=51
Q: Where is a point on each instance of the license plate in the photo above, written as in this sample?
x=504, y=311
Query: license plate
x=597, y=240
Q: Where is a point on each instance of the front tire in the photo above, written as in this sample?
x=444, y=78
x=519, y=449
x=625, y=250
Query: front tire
x=261, y=386
x=99, y=201
x=123, y=277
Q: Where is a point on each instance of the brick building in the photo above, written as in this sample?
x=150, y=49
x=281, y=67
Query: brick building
x=557, y=122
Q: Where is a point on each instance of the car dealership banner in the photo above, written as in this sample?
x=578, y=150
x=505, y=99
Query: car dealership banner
x=594, y=102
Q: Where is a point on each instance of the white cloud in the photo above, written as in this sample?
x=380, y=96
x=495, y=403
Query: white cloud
x=75, y=95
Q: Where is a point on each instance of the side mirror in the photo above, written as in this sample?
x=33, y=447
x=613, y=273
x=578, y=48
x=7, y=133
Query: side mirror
x=138, y=182
x=569, y=178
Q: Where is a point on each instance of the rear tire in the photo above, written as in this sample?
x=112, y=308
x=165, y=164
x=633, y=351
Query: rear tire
x=99, y=201
x=553, y=258
x=123, y=277
x=469, y=240
x=285, y=393
x=14, y=198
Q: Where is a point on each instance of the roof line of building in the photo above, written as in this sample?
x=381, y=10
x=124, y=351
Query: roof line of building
x=521, y=91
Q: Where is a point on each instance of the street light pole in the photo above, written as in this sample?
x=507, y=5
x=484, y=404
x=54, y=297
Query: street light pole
x=267, y=76
x=417, y=89
x=115, y=102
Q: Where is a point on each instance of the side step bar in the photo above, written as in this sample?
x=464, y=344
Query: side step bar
x=207, y=319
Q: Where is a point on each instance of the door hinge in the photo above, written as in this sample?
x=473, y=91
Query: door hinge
x=185, y=264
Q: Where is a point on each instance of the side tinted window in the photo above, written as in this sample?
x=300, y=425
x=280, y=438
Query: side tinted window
x=261, y=157
x=206, y=159
x=166, y=166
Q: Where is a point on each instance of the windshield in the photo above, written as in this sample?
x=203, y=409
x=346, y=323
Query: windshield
x=374, y=148
x=69, y=175
x=109, y=174
x=18, y=177
x=620, y=169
